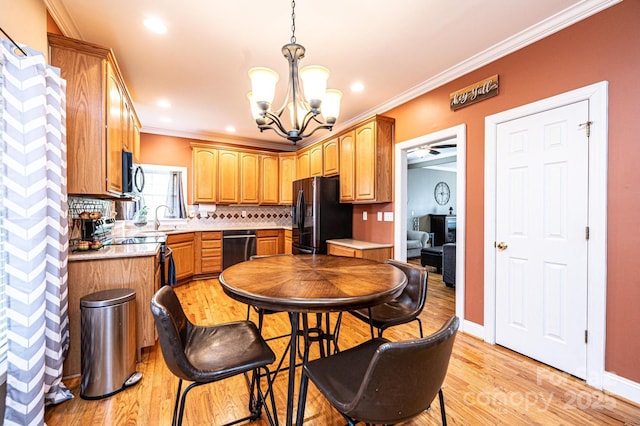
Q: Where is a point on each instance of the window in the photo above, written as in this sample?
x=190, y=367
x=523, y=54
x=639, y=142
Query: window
x=156, y=185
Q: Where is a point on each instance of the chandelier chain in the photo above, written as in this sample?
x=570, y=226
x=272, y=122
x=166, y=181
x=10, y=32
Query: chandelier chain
x=293, y=21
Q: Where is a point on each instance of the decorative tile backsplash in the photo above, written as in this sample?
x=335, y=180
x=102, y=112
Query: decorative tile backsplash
x=215, y=216
x=232, y=216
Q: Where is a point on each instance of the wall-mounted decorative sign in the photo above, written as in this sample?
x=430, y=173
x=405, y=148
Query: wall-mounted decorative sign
x=476, y=92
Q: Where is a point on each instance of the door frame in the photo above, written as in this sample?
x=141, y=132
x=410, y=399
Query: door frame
x=597, y=95
x=459, y=133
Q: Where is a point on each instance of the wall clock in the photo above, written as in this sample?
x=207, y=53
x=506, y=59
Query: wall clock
x=442, y=193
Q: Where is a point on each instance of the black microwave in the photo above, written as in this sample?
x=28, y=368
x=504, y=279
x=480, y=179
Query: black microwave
x=132, y=175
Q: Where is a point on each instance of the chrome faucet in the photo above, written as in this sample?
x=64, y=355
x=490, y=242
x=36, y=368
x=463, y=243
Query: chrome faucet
x=156, y=223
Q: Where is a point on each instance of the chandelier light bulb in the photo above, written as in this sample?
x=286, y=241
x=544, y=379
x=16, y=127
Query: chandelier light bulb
x=263, y=85
x=331, y=105
x=314, y=78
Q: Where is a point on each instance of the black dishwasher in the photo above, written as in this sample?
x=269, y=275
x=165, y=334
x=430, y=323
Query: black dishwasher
x=237, y=246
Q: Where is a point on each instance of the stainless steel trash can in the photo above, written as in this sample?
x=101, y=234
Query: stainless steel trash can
x=108, y=342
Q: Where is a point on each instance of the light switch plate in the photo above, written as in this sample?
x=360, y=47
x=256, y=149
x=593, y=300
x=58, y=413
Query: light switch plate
x=388, y=216
x=379, y=216
x=364, y=215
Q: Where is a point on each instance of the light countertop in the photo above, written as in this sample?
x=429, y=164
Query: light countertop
x=358, y=244
x=112, y=252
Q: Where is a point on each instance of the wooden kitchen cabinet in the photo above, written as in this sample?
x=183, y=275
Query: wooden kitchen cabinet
x=287, y=174
x=269, y=179
x=347, y=169
x=135, y=123
x=369, y=161
x=380, y=254
x=183, y=247
x=141, y=273
x=268, y=242
x=302, y=164
x=249, y=175
x=330, y=157
x=228, y=177
x=99, y=116
x=288, y=241
x=116, y=123
x=205, y=175
x=210, y=258
x=315, y=160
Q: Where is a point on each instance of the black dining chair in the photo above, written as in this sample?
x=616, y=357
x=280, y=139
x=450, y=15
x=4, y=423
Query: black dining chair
x=383, y=382
x=403, y=309
x=206, y=354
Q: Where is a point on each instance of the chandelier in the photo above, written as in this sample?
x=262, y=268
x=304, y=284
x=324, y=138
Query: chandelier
x=305, y=107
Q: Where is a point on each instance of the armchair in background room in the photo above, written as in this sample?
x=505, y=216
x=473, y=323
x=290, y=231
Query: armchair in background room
x=416, y=241
x=449, y=264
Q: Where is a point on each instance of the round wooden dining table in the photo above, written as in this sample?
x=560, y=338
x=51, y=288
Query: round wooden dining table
x=310, y=283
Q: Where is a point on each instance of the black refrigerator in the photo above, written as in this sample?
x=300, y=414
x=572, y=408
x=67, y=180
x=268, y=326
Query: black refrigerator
x=318, y=215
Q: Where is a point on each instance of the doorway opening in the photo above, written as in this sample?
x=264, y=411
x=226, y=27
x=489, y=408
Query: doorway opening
x=457, y=135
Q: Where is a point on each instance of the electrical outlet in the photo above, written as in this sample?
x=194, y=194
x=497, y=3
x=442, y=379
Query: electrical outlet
x=364, y=215
x=388, y=216
x=244, y=213
x=379, y=216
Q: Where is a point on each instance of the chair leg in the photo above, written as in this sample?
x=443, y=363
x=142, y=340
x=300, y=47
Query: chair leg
x=176, y=405
x=443, y=414
x=183, y=399
x=371, y=325
x=420, y=327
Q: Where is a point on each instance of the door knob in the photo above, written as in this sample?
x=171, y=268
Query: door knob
x=502, y=245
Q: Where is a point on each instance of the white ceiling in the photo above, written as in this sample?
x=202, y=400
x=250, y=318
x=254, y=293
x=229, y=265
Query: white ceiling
x=398, y=49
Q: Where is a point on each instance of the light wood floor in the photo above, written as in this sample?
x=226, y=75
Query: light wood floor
x=485, y=384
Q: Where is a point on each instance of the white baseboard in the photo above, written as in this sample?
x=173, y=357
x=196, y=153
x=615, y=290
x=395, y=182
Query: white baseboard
x=473, y=329
x=620, y=386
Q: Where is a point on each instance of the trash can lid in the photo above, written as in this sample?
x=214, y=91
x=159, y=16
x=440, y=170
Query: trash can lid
x=101, y=299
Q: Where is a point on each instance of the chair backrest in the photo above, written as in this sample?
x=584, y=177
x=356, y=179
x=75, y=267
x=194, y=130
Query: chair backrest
x=414, y=294
x=403, y=378
x=173, y=329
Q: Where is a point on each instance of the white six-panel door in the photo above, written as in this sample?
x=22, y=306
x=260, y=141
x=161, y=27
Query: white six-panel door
x=541, y=220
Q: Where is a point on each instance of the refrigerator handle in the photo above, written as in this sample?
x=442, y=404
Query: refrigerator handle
x=300, y=207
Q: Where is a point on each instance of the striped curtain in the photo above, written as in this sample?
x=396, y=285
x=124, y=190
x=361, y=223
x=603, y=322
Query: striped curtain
x=34, y=329
x=175, y=196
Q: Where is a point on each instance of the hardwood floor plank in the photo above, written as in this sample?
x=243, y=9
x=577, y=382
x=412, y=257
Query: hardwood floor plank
x=485, y=384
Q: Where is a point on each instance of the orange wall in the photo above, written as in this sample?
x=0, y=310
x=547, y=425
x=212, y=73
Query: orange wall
x=371, y=229
x=603, y=47
x=168, y=151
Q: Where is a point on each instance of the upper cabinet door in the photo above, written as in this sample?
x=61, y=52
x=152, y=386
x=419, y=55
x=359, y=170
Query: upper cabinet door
x=228, y=177
x=115, y=124
x=205, y=175
x=315, y=160
x=347, y=166
x=302, y=165
x=331, y=157
x=287, y=172
x=269, y=179
x=249, y=172
x=365, y=156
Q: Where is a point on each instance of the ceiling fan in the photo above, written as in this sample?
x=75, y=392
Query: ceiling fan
x=433, y=150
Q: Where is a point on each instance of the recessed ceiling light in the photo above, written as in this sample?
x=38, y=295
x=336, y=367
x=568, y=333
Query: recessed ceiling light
x=357, y=86
x=155, y=25
x=163, y=103
x=230, y=129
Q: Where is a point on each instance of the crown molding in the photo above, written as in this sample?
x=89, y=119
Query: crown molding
x=545, y=28
x=213, y=137
x=62, y=19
